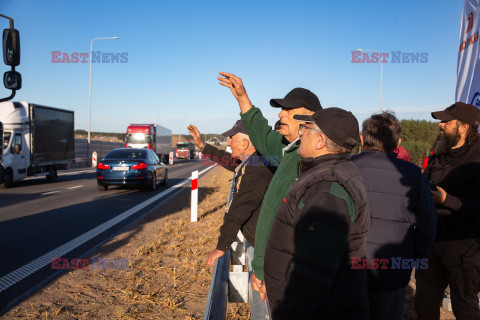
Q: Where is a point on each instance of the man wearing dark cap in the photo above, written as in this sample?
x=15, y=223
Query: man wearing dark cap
x=251, y=180
x=455, y=256
x=321, y=224
x=281, y=147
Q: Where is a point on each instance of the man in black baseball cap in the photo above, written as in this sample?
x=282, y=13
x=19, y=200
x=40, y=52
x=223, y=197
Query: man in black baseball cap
x=321, y=223
x=280, y=148
x=455, y=256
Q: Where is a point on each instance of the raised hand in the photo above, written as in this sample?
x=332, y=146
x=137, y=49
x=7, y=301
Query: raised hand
x=197, y=138
x=236, y=86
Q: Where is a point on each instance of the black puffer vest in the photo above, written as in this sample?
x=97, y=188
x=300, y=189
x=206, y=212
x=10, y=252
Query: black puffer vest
x=320, y=172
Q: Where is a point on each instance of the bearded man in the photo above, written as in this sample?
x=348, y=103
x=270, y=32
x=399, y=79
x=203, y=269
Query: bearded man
x=454, y=171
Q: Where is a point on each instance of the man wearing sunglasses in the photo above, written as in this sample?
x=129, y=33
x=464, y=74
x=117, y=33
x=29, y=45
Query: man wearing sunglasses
x=320, y=225
x=280, y=148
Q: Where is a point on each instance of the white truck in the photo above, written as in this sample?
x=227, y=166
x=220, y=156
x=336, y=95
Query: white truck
x=150, y=136
x=36, y=141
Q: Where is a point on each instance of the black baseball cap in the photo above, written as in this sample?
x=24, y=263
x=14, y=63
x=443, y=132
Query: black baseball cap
x=467, y=113
x=298, y=98
x=339, y=125
x=237, y=128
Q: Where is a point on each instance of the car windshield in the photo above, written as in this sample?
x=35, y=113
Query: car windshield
x=182, y=146
x=130, y=154
x=6, y=139
x=138, y=138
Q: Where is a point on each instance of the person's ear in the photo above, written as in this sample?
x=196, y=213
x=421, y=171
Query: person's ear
x=463, y=128
x=245, y=144
x=361, y=139
x=399, y=141
x=321, y=141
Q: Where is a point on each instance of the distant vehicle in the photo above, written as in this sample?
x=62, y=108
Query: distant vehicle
x=185, y=150
x=131, y=166
x=150, y=136
x=37, y=141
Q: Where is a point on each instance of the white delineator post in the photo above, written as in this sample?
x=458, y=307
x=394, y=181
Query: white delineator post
x=94, y=159
x=170, y=158
x=194, y=197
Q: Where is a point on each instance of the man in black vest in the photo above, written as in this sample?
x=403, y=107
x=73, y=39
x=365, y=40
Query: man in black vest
x=320, y=225
x=403, y=218
x=455, y=257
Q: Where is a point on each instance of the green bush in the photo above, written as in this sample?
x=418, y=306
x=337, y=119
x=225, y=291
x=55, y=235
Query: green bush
x=417, y=138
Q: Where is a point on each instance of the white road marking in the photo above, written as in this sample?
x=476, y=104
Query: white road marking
x=56, y=191
x=21, y=273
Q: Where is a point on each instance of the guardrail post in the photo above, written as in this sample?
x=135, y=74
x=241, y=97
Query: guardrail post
x=194, y=197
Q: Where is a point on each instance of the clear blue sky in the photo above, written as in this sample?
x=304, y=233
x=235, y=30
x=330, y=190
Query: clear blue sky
x=176, y=49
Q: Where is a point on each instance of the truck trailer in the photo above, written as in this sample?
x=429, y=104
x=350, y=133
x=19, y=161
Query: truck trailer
x=150, y=136
x=36, y=141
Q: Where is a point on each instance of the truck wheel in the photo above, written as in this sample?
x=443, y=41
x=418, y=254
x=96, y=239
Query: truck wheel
x=102, y=187
x=52, y=174
x=7, y=179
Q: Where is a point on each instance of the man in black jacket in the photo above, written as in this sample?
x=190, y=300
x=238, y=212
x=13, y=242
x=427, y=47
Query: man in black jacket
x=455, y=257
x=251, y=180
x=403, y=219
x=320, y=225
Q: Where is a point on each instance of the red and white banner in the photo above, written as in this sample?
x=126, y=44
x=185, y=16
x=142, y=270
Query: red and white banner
x=468, y=65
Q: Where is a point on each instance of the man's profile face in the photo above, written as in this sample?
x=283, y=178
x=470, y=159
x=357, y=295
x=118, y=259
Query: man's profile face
x=308, y=140
x=288, y=125
x=448, y=136
x=236, y=143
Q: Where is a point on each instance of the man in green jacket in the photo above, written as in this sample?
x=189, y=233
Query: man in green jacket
x=280, y=148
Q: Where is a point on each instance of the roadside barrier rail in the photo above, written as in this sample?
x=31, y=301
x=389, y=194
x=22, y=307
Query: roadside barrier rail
x=231, y=281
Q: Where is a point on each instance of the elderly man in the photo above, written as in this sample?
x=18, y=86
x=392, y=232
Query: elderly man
x=251, y=180
x=403, y=219
x=321, y=224
x=279, y=146
x=455, y=257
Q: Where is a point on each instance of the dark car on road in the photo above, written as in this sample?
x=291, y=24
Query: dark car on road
x=128, y=166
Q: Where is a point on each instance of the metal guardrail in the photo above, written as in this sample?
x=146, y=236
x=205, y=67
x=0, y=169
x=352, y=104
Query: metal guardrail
x=234, y=285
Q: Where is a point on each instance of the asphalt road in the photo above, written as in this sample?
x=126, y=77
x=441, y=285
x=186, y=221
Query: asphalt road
x=37, y=217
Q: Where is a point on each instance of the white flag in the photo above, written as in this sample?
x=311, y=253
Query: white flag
x=468, y=66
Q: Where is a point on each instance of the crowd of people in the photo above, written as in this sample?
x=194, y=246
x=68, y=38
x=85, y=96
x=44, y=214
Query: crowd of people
x=337, y=235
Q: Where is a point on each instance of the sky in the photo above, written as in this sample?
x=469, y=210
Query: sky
x=175, y=50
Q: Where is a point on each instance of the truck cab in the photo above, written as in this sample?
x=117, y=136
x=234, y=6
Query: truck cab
x=140, y=136
x=15, y=149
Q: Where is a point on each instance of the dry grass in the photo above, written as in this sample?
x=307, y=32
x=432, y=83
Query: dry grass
x=167, y=277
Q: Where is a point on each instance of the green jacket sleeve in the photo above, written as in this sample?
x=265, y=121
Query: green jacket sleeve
x=267, y=141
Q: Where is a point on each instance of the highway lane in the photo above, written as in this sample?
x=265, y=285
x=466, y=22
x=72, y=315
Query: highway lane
x=37, y=217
